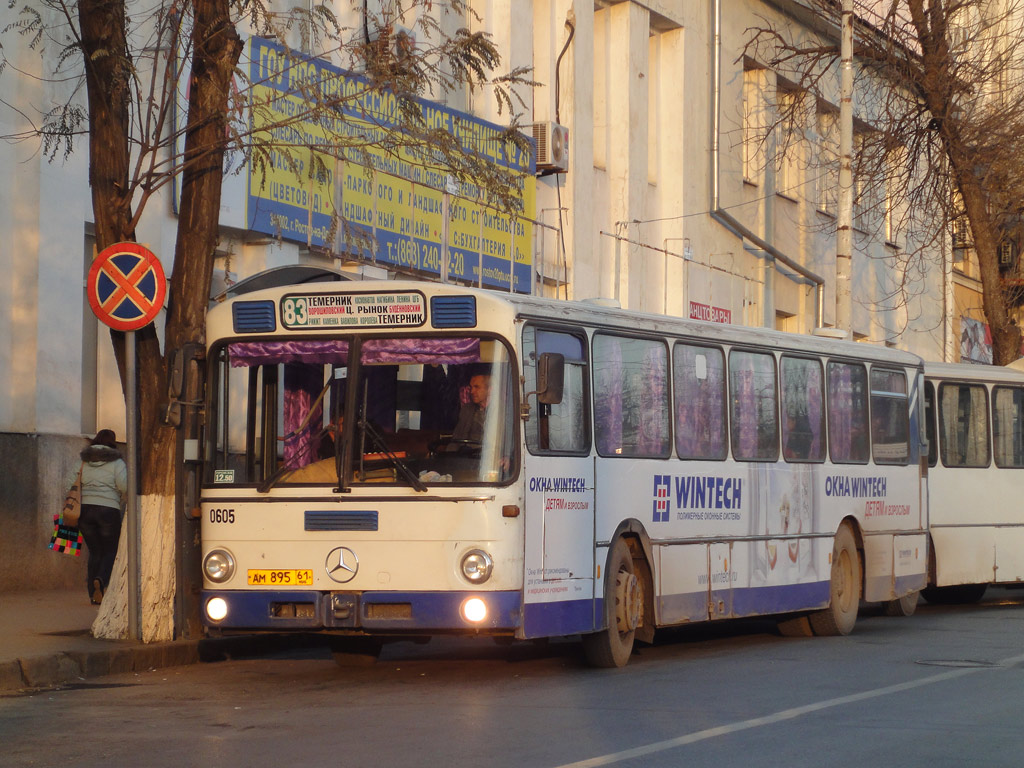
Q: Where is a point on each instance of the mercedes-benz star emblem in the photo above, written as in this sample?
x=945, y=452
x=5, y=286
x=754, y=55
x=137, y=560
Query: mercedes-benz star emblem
x=342, y=564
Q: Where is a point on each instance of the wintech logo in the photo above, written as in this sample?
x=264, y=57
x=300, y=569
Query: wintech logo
x=662, y=491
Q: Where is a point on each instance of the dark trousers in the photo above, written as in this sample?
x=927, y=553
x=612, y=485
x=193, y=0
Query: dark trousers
x=101, y=528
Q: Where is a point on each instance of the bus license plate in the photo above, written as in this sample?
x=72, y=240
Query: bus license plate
x=285, y=577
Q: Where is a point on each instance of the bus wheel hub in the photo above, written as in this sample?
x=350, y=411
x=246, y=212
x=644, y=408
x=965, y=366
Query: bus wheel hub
x=628, y=601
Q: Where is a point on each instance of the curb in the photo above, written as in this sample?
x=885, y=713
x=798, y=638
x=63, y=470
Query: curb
x=32, y=672
x=36, y=672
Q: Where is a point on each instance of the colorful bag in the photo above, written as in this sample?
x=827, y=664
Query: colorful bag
x=66, y=539
x=72, y=509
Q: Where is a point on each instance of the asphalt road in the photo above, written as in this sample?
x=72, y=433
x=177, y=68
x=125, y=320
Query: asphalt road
x=944, y=687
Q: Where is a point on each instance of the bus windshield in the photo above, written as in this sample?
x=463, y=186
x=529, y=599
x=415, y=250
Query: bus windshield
x=411, y=411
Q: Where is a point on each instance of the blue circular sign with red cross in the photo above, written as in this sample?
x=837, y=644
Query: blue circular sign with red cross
x=126, y=286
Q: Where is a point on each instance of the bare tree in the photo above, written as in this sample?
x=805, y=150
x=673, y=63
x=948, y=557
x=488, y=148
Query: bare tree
x=126, y=66
x=940, y=91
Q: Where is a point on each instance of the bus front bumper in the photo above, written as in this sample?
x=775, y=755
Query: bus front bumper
x=384, y=612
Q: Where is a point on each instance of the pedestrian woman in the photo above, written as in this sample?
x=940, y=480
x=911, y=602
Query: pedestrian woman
x=104, y=485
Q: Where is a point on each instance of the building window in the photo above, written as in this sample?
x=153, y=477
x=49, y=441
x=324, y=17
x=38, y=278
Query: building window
x=863, y=199
x=828, y=161
x=789, y=146
x=753, y=124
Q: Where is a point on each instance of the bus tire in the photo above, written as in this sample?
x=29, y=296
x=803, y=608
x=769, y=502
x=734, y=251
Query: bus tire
x=958, y=594
x=901, y=606
x=844, y=588
x=623, y=607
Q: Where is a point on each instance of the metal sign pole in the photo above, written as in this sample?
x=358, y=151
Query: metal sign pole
x=126, y=289
x=134, y=537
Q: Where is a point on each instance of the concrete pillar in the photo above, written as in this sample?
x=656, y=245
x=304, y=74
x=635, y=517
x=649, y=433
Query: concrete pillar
x=628, y=33
x=674, y=135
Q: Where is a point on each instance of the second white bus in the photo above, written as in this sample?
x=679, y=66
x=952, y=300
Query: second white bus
x=975, y=427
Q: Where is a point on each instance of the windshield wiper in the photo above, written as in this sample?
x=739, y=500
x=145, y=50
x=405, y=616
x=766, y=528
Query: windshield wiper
x=284, y=470
x=271, y=481
x=377, y=439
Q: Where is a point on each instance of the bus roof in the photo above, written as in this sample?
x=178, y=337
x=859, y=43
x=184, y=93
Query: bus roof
x=969, y=372
x=590, y=314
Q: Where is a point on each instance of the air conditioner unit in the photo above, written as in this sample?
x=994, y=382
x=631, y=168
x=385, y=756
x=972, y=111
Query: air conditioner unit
x=1006, y=255
x=961, y=233
x=552, y=147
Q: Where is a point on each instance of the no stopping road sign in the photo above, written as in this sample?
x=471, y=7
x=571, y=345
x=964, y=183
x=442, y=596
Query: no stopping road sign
x=126, y=286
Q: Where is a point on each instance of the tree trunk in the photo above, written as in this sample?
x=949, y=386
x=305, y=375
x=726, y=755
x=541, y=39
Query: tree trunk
x=1006, y=335
x=216, y=49
x=107, y=77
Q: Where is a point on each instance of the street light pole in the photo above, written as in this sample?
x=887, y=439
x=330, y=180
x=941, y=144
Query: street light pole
x=844, y=223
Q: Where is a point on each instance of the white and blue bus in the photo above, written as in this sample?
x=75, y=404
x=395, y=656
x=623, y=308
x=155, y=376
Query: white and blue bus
x=406, y=459
x=975, y=426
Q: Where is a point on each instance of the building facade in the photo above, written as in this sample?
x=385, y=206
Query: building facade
x=663, y=193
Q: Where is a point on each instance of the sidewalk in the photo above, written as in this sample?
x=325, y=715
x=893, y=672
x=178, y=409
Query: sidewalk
x=45, y=640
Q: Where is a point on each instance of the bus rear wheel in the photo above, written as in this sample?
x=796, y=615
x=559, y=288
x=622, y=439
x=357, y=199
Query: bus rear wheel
x=844, y=588
x=901, y=606
x=623, y=607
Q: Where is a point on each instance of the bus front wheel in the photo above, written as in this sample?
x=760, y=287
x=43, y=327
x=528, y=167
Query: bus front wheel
x=844, y=588
x=623, y=607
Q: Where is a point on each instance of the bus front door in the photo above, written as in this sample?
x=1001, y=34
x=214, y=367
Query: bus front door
x=558, y=584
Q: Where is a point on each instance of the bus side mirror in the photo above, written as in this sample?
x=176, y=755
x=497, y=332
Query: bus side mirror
x=550, y=377
x=183, y=381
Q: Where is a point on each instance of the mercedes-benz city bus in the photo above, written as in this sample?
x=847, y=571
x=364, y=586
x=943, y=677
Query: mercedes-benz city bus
x=407, y=459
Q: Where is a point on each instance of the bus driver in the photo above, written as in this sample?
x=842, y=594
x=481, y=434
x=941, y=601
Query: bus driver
x=473, y=414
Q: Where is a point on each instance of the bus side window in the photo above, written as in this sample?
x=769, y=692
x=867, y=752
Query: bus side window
x=1008, y=426
x=848, y=413
x=699, y=379
x=963, y=425
x=754, y=397
x=631, y=403
x=803, y=423
x=929, y=424
x=557, y=427
x=890, y=417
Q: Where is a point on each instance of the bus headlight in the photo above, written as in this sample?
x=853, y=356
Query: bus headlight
x=216, y=608
x=477, y=566
x=474, y=610
x=219, y=566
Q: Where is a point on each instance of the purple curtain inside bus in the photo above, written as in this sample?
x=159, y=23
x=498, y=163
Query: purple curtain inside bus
x=302, y=419
x=452, y=351
x=304, y=375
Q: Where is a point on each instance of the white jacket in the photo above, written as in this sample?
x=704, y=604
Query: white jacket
x=104, y=477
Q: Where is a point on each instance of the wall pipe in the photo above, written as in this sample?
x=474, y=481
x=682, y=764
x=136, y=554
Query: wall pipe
x=722, y=216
